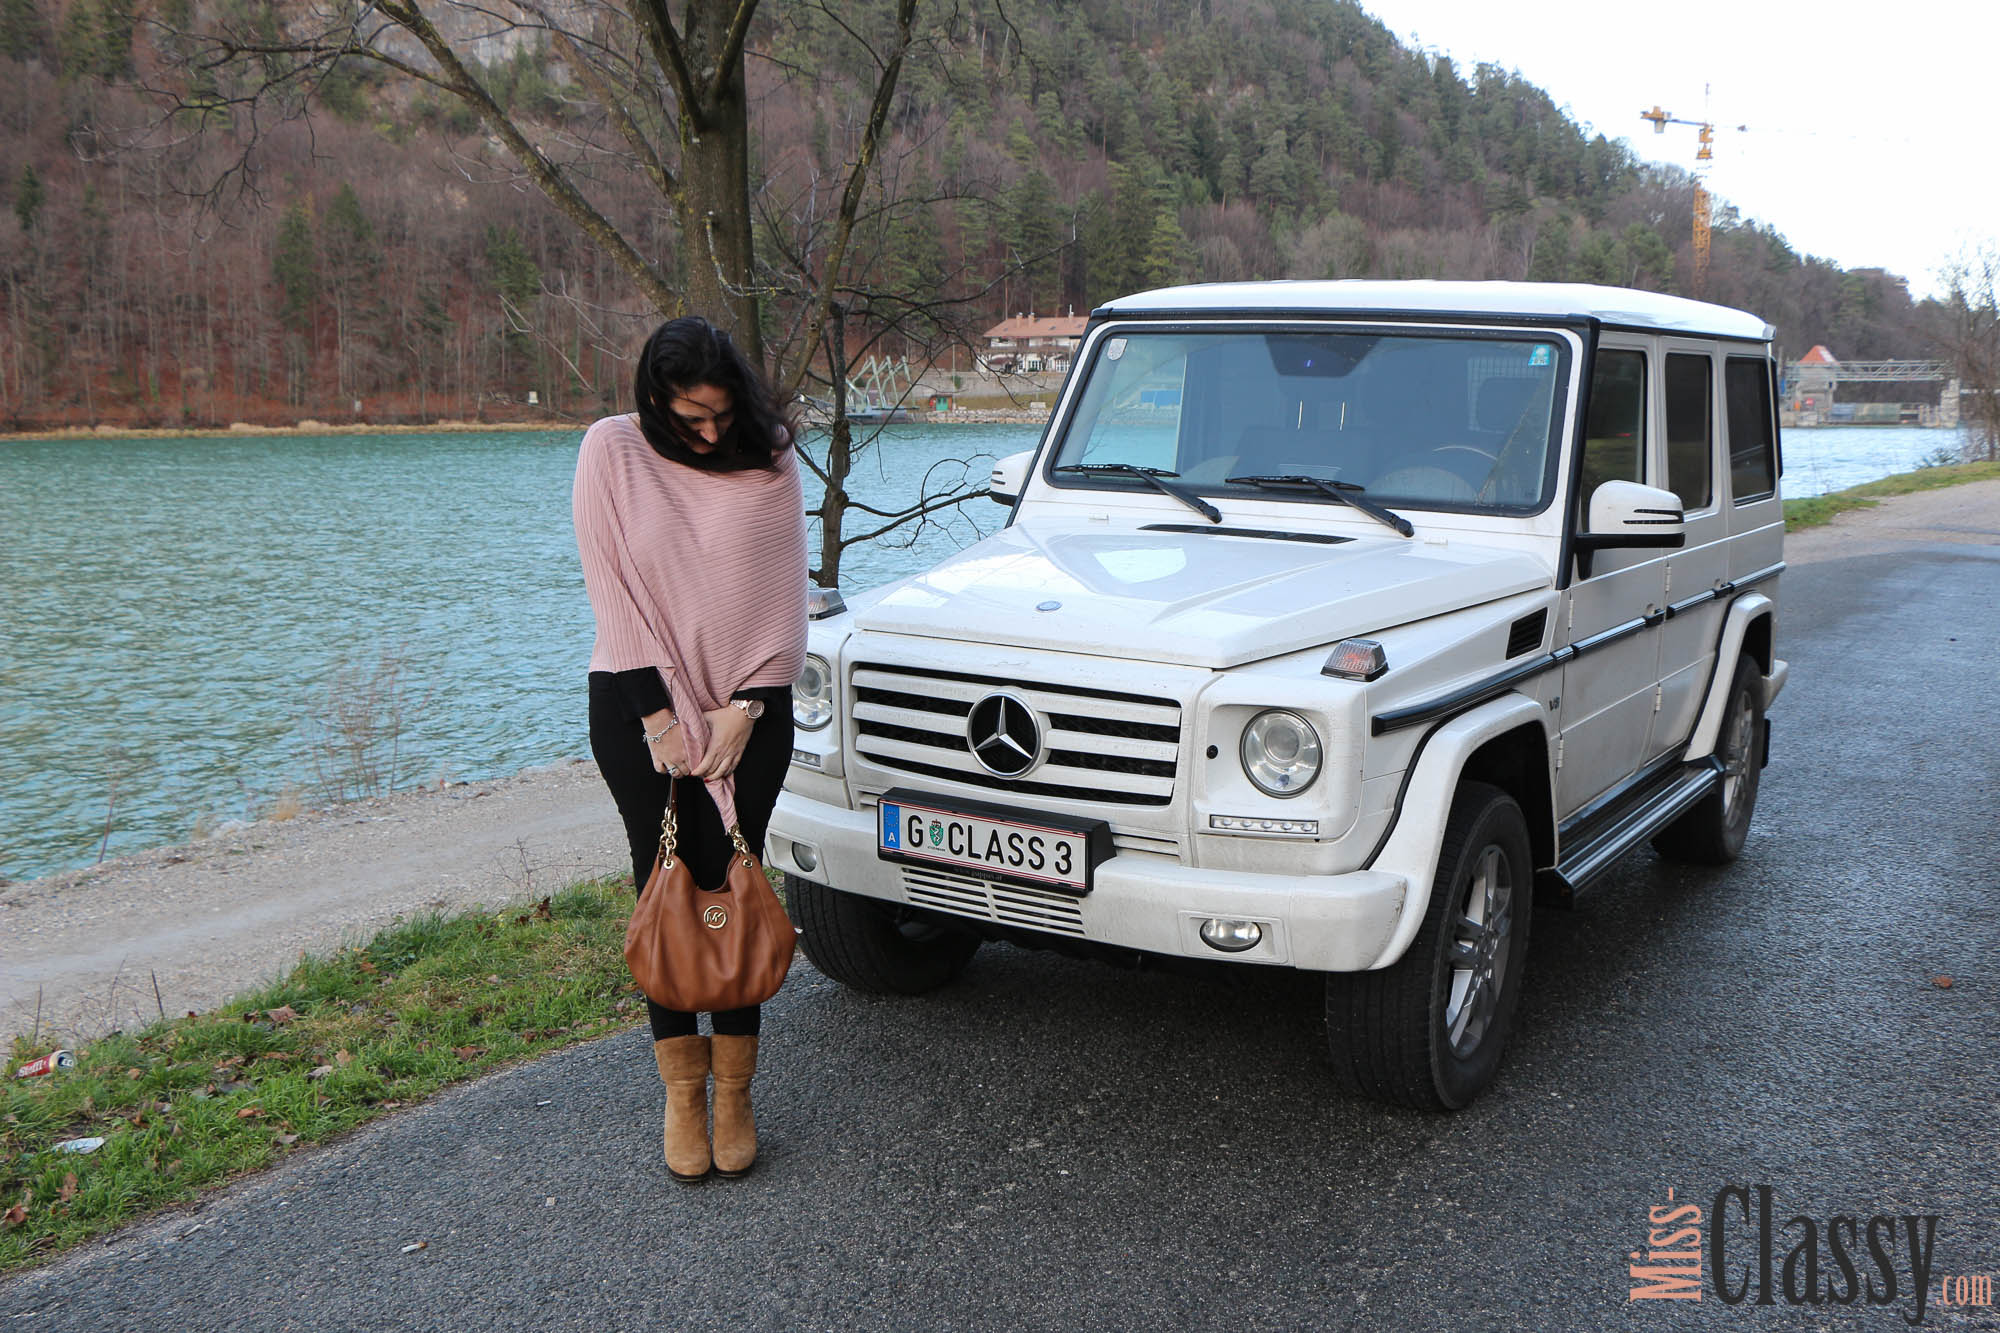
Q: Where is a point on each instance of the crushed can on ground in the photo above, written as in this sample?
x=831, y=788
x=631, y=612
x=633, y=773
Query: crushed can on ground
x=47, y=1064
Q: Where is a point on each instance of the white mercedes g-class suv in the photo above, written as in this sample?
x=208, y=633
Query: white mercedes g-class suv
x=1333, y=624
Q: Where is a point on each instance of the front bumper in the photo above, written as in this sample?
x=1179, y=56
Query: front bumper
x=1325, y=923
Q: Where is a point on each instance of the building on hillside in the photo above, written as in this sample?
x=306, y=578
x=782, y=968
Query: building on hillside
x=1032, y=343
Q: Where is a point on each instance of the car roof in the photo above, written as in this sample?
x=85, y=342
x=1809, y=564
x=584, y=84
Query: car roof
x=1619, y=306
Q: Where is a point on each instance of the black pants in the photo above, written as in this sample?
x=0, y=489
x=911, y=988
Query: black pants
x=617, y=740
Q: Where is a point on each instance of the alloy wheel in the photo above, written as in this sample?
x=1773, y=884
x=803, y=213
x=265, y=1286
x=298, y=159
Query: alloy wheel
x=1482, y=933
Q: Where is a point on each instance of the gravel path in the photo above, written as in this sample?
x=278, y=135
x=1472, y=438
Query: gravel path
x=211, y=918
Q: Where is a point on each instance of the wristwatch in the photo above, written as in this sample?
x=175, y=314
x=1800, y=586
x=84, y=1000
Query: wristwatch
x=752, y=708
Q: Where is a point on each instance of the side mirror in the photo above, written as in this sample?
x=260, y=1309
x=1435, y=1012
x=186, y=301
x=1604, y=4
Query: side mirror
x=1625, y=515
x=1010, y=474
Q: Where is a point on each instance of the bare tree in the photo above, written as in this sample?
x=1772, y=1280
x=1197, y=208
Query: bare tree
x=893, y=296
x=666, y=101
x=1968, y=335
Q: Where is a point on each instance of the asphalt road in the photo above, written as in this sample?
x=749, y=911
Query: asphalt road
x=1052, y=1144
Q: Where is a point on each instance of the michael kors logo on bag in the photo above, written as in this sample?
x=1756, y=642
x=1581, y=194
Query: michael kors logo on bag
x=715, y=918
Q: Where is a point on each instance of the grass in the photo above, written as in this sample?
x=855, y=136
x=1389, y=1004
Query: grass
x=193, y=1102
x=1817, y=509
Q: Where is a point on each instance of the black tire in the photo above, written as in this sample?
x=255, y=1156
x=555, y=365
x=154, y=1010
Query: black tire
x=1429, y=1030
x=872, y=946
x=1713, y=832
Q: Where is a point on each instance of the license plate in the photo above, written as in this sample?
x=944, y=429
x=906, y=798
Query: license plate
x=1050, y=851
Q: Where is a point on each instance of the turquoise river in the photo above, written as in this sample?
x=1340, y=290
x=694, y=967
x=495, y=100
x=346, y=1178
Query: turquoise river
x=177, y=612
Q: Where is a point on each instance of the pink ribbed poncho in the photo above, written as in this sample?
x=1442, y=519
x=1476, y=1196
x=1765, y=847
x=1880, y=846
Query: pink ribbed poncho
x=700, y=574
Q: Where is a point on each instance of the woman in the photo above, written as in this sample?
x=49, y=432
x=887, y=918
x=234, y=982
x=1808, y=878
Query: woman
x=691, y=524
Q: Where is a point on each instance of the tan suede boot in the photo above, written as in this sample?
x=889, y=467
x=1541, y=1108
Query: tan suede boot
x=735, y=1126
x=683, y=1065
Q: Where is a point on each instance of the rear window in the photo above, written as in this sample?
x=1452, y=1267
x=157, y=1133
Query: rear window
x=1753, y=453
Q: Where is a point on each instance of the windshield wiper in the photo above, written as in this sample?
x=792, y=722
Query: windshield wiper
x=1344, y=491
x=1151, y=475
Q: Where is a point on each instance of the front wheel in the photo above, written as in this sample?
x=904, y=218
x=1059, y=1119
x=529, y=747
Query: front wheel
x=1428, y=1030
x=1713, y=832
x=872, y=946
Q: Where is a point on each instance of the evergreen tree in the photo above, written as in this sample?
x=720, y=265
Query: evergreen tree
x=914, y=257
x=1551, y=262
x=352, y=270
x=1034, y=235
x=96, y=40
x=28, y=197
x=1169, y=258
x=1652, y=263
x=23, y=34
x=518, y=281
x=294, y=264
x=513, y=273
x=352, y=254
x=1602, y=258
x=1230, y=172
x=1271, y=178
x=1059, y=135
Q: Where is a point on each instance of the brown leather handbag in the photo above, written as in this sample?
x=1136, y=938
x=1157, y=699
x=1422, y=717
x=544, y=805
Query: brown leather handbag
x=702, y=950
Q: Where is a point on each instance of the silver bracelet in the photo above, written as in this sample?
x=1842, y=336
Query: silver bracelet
x=661, y=734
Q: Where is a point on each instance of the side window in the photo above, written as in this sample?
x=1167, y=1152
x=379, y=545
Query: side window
x=1753, y=468
x=1690, y=457
x=1614, y=440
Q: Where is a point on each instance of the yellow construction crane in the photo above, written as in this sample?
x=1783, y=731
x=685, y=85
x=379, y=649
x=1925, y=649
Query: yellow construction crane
x=1704, y=154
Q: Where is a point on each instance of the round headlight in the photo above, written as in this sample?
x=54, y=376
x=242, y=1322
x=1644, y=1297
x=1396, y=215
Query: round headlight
x=812, y=694
x=1281, y=753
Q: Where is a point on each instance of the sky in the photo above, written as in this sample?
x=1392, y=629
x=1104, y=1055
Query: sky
x=1867, y=125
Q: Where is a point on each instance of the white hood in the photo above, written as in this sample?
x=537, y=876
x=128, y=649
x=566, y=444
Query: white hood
x=1191, y=598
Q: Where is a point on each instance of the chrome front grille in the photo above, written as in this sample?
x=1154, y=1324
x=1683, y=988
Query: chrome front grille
x=989, y=900
x=1102, y=745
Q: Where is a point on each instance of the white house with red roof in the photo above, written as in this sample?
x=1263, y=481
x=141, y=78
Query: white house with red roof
x=1033, y=342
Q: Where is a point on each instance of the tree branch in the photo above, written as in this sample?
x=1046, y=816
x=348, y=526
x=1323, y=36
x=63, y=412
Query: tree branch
x=731, y=54
x=909, y=515
x=548, y=177
x=628, y=129
x=850, y=202
x=658, y=26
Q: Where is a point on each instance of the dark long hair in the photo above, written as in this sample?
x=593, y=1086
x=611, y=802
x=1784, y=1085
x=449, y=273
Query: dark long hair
x=688, y=353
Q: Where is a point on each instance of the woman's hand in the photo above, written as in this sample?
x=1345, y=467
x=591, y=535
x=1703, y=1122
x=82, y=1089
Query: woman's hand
x=669, y=751
x=728, y=732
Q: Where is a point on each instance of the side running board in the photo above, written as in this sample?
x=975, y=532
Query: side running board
x=1591, y=848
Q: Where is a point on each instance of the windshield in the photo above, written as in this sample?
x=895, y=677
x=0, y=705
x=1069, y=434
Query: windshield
x=1440, y=421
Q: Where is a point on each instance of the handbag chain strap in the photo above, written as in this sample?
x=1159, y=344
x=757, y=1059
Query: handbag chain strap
x=670, y=838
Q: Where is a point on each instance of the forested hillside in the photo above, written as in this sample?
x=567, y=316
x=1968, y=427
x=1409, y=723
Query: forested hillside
x=195, y=262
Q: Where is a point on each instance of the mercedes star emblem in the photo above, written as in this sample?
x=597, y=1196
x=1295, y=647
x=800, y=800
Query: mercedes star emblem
x=1003, y=735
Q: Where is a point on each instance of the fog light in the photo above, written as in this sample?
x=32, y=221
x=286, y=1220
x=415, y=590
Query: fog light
x=805, y=857
x=1231, y=936
x=807, y=759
